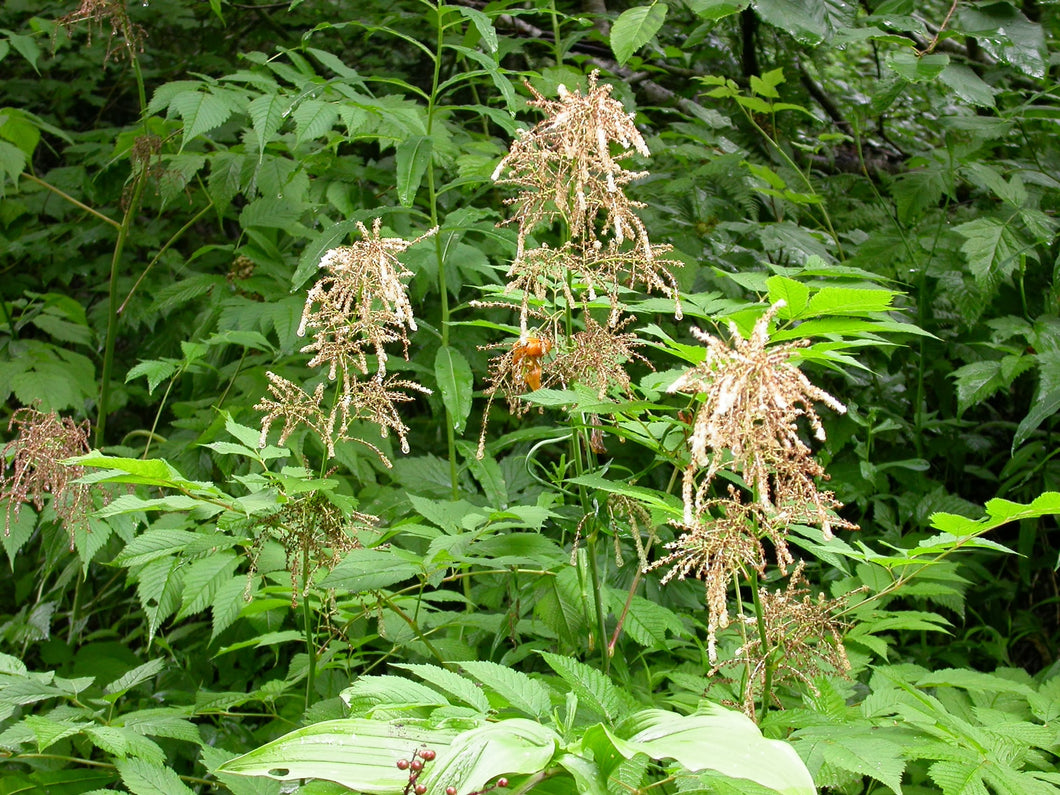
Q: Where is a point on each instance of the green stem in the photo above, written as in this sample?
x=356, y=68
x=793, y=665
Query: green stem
x=601, y=626
x=625, y=612
x=112, y=307
x=443, y=291
x=767, y=653
x=557, y=49
x=179, y=233
x=307, y=623
x=73, y=612
x=806, y=180
x=416, y=629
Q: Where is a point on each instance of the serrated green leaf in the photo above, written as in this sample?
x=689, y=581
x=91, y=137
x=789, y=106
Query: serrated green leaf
x=131, y=679
x=26, y=46
x=18, y=530
x=1007, y=35
x=967, y=85
x=202, y=579
x=267, y=113
x=483, y=24
x=594, y=690
x=647, y=622
x=370, y=695
x=992, y=250
x=153, y=544
x=313, y=118
x=849, y=301
x=167, y=722
x=634, y=28
x=368, y=570
x=456, y=384
x=523, y=693
x=559, y=607
x=413, y=156
x=158, y=588
x=12, y=162
x=452, y=683
x=794, y=294
x=860, y=750
x=200, y=111
x=143, y=778
x=917, y=68
x=47, y=732
x=1044, y=407
x=228, y=602
x=500, y=81
x=155, y=371
x=51, y=386
x=271, y=212
x=717, y=9
x=803, y=19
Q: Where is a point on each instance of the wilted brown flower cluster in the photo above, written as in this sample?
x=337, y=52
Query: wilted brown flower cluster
x=567, y=169
x=315, y=532
x=42, y=442
x=754, y=398
x=354, y=311
x=799, y=639
x=125, y=36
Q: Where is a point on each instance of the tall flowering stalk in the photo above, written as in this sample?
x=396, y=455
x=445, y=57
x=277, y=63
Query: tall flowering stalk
x=753, y=398
x=354, y=311
x=568, y=171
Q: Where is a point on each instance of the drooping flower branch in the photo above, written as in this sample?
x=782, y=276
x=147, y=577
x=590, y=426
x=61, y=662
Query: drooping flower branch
x=354, y=311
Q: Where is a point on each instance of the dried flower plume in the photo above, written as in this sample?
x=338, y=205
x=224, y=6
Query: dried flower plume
x=803, y=639
x=354, y=310
x=42, y=442
x=566, y=168
x=753, y=400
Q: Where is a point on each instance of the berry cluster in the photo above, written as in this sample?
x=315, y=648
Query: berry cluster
x=415, y=766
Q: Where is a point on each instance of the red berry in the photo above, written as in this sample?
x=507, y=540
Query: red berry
x=417, y=765
x=420, y=789
x=403, y=764
x=502, y=782
x=450, y=791
x=427, y=754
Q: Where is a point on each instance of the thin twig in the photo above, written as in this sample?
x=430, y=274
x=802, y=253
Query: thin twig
x=71, y=199
x=934, y=42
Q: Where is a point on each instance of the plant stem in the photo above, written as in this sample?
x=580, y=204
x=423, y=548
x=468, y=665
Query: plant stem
x=179, y=233
x=112, y=307
x=416, y=629
x=307, y=622
x=625, y=612
x=767, y=653
x=71, y=199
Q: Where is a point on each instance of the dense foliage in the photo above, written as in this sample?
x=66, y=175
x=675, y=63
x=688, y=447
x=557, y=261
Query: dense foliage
x=455, y=398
